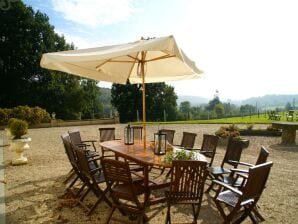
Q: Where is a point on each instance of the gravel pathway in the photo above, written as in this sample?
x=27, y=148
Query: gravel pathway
x=33, y=193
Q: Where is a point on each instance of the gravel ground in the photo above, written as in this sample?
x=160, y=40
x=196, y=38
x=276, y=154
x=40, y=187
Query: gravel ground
x=33, y=192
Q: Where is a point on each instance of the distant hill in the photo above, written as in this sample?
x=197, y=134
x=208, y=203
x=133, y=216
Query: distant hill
x=263, y=102
x=194, y=100
x=272, y=101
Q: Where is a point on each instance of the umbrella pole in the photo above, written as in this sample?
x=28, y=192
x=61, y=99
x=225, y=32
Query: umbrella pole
x=143, y=96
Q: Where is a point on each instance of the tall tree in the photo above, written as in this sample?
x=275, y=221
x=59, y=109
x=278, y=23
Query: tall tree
x=185, y=109
x=24, y=36
x=160, y=99
x=127, y=100
x=93, y=108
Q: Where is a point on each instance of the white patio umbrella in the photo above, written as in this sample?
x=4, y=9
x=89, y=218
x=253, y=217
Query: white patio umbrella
x=143, y=61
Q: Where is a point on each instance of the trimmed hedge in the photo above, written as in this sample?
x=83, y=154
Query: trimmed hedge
x=32, y=115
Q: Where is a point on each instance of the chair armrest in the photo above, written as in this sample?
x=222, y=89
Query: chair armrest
x=245, y=176
x=89, y=141
x=117, y=138
x=240, y=163
x=243, y=163
x=239, y=171
x=227, y=187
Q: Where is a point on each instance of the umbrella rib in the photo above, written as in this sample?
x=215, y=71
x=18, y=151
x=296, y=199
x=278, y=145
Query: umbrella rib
x=79, y=67
x=161, y=57
x=110, y=60
x=135, y=59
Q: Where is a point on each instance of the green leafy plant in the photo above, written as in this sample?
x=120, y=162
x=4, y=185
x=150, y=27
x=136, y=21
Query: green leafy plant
x=249, y=127
x=231, y=131
x=179, y=155
x=10, y=121
x=18, y=128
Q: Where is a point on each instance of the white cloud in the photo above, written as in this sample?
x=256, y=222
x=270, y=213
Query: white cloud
x=81, y=42
x=245, y=48
x=95, y=12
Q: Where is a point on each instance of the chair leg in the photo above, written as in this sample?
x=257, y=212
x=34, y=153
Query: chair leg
x=80, y=190
x=195, y=210
x=168, y=217
x=71, y=173
x=168, y=174
x=83, y=196
x=72, y=183
x=246, y=213
x=209, y=188
x=110, y=215
x=102, y=197
x=257, y=213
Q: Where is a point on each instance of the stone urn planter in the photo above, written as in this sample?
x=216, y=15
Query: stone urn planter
x=224, y=142
x=19, y=146
x=8, y=137
x=245, y=142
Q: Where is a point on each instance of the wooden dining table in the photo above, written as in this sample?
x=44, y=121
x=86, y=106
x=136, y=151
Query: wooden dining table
x=144, y=157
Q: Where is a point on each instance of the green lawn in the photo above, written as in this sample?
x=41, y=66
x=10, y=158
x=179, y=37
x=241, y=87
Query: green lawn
x=254, y=119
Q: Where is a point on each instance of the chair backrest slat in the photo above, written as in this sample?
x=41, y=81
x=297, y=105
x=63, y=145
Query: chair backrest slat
x=233, y=152
x=262, y=158
x=188, y=140
x=68, y=149
x=188, y=176
x=170, y=134
x=116, y=171
x=83, y=162
x=75, y=137
x=106, y=134
x=209, y=146
x=257, y=178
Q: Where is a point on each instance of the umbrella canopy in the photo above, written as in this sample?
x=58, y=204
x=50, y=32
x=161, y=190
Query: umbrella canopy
x=144, y=61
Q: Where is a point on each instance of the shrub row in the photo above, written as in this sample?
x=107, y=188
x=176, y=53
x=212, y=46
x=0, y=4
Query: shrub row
x=33, y=115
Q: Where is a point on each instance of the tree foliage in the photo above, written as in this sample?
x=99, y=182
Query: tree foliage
x=212, y=103
x=185, y=109
x=24, y=36
x=160, y=99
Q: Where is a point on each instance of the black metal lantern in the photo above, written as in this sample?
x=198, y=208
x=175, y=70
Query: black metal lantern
x=160, y=143
x=128, y=135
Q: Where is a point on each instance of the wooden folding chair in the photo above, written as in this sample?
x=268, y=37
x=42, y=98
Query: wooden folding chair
x=188, y=140
x=92, y=178
x=170, y=135
x=124, y=191
x=187, y=186
x=232, y=156
x=75, y=138
x=209, y=146
x=106, y=134
x=242, y=201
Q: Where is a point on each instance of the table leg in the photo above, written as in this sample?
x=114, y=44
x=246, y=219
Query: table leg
x=288, y=135
x=146, y=182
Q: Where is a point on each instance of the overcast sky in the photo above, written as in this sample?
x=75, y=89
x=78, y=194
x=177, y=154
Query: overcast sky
x=246, y=48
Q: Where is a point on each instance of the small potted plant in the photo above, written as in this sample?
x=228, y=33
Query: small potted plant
x=232, y=131
x=18, y=128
